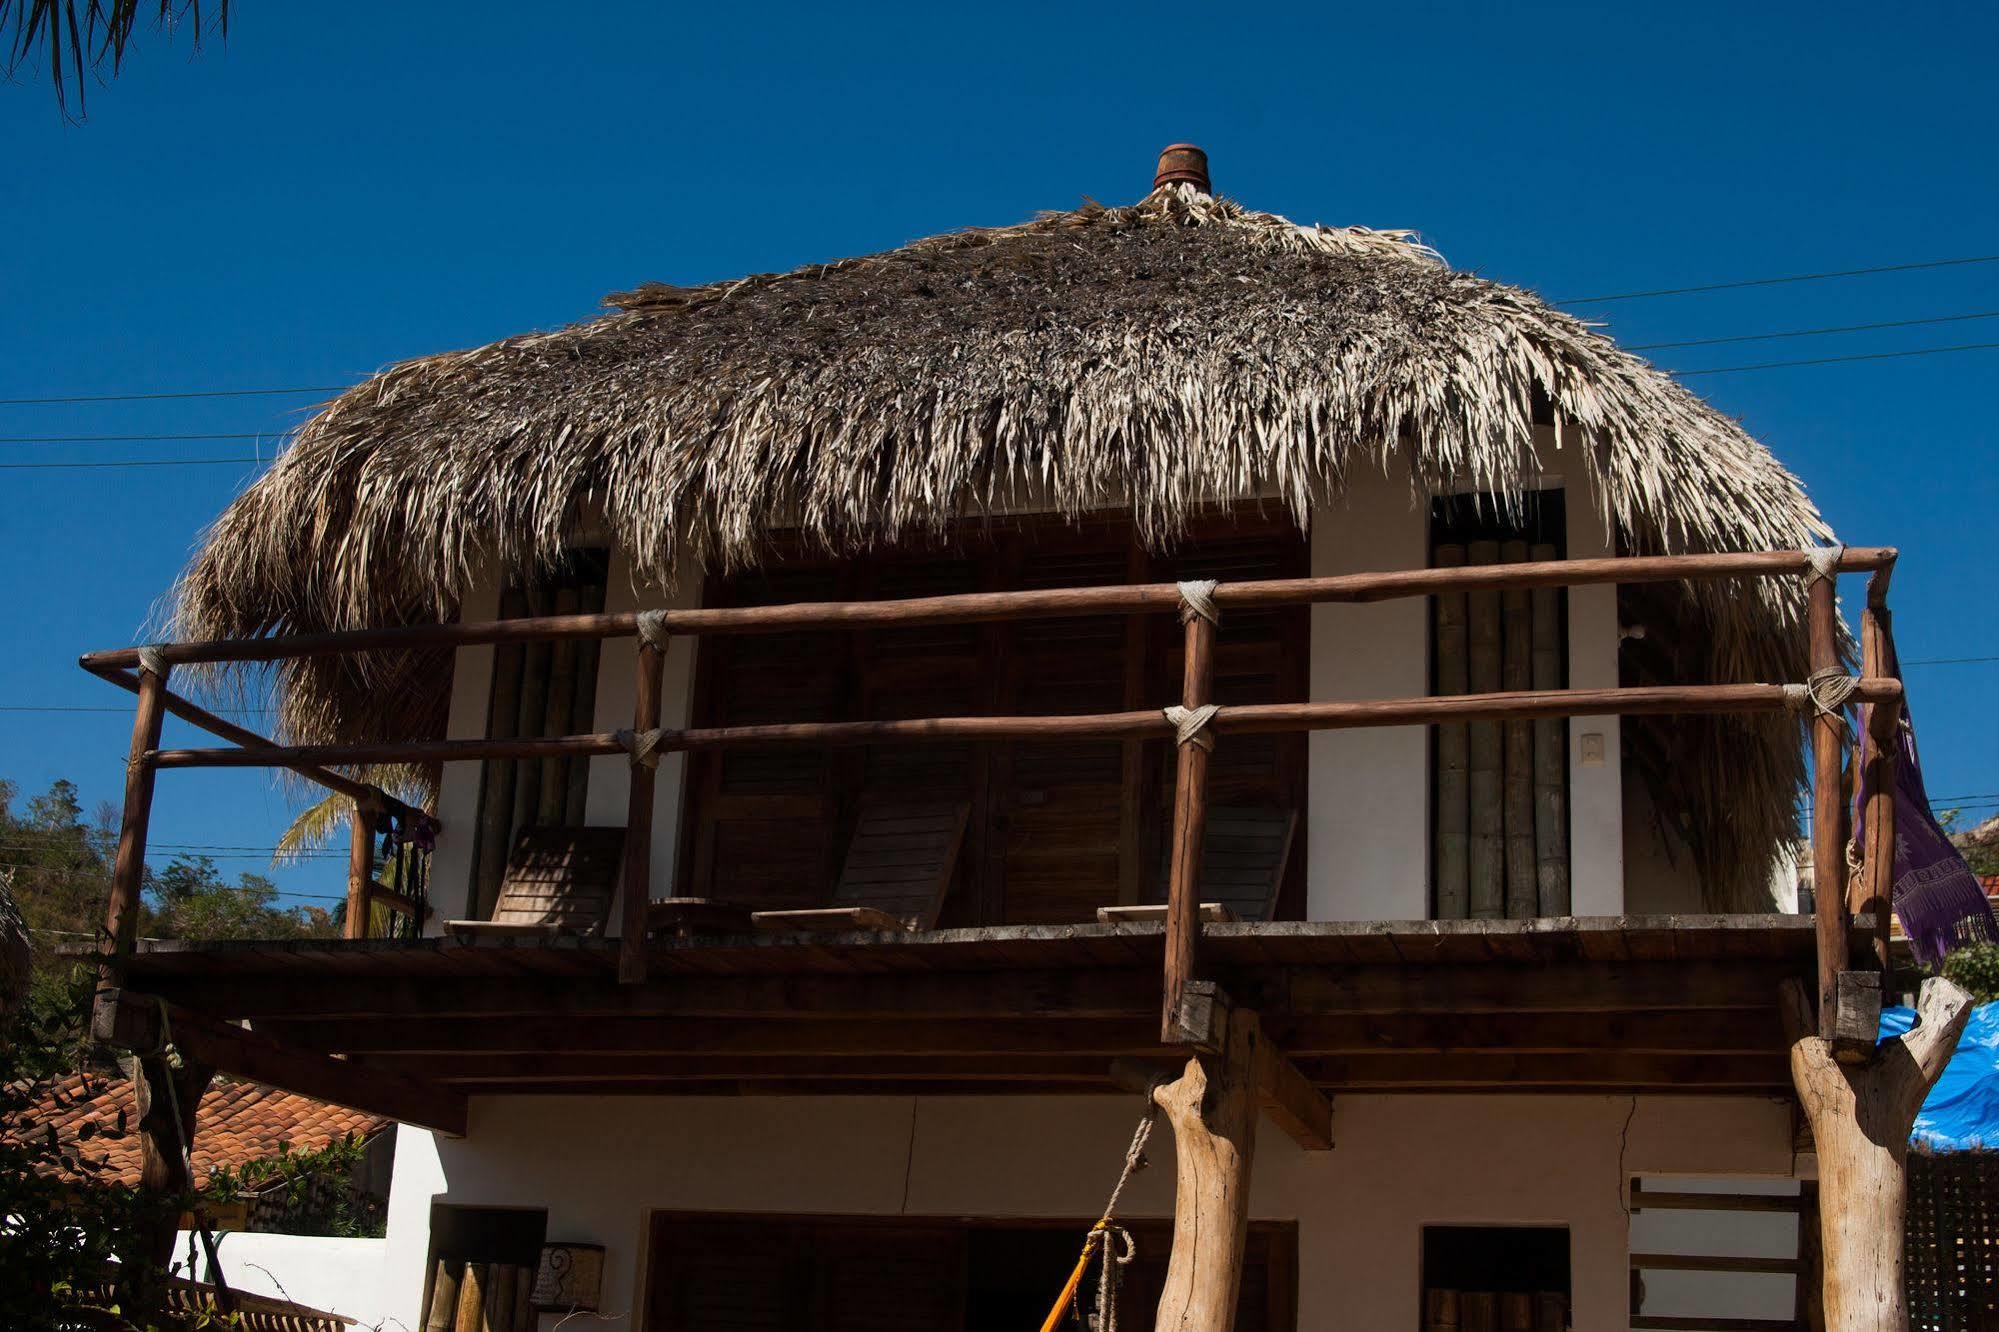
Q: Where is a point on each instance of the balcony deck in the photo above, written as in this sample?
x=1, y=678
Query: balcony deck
x=1659, y=1004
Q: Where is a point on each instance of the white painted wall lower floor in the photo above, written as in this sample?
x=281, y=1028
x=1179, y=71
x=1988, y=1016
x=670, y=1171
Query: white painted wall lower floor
x=601, y=1165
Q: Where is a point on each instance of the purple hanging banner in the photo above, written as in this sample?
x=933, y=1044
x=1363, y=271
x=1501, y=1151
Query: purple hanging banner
x=1937, y=898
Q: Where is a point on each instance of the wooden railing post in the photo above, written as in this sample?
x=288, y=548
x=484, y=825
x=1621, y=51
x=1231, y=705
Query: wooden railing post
x=1875, y=890
x=639, y=812
x=361, y=869
x=1828, y=809
x=1190, y=814
x=128, y=869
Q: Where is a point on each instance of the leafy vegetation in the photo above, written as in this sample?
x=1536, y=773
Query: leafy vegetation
x=71, y=1238
x=319, y=1192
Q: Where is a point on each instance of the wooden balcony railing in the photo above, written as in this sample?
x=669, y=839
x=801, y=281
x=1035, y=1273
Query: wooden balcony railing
x=1194, y=722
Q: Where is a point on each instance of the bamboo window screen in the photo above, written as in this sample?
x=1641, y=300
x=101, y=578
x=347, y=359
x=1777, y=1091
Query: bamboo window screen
x=539, y=689
x=1499, y=791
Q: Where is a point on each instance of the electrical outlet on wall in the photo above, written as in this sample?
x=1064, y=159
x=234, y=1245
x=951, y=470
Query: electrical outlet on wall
x=1592, y=749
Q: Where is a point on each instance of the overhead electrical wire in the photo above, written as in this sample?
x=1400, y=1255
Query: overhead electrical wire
x=1815, y=332
x=1777, y=281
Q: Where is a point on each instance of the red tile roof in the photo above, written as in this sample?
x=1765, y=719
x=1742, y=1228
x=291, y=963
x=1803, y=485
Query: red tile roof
x=239, y=1122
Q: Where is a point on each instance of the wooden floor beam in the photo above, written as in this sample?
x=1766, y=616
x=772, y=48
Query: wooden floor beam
x=133, y=1022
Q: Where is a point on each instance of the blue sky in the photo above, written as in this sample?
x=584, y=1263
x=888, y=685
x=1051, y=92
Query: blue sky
x=339, y=187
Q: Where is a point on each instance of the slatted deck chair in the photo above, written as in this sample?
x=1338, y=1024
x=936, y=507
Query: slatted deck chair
x=898, y=868
x=558, y=881
x=1244, y=855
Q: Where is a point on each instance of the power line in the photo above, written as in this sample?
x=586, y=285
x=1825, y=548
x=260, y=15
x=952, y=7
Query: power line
x=133, y=439
x=113, y=707
x=1815, y=332
x=1834, y=360
x=162, y=397
x=1921, y=661
x=1777, y=281
x=131, y=462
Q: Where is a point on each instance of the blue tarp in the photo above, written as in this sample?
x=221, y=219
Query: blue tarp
x=1962, y=1112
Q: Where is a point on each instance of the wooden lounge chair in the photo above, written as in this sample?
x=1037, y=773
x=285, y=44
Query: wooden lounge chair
x=1244, y=854
x=559, y=881
x=898, y=868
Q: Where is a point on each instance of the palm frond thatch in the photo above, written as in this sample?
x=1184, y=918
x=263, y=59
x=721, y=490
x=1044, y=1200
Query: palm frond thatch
x=79, y=38
x=1159, y=357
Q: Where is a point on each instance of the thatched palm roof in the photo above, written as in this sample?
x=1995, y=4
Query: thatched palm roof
x=1178, y=351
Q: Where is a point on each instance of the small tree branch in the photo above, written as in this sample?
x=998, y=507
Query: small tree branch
x=1942, y=1009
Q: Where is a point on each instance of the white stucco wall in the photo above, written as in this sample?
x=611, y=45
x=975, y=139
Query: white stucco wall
x=1368, y=836
x=342, y=1276
x=600, y=1164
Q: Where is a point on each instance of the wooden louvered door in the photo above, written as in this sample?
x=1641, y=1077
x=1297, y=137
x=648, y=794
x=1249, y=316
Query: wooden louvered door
x=1261, y=656
x=1056, y=829
x=766, y=824
x=1055, y=805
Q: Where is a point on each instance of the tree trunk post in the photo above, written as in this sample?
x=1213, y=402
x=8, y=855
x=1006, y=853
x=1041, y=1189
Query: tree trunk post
x=361, y=870
x=1212, y=1107
x=168, y=1098
x=1860, y=1117
x=1828, y=811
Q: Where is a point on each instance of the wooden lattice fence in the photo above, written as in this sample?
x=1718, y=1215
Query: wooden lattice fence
x=1952, y=1255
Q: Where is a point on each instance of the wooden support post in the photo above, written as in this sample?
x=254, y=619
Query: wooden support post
x=167, y=1099
x=361, y=870
x=1860, y=1117
x=1828, y=806
x=638, y=820
x=1190, y=815
x=1212, y=1108
x=1874, y=892
x=128, y=869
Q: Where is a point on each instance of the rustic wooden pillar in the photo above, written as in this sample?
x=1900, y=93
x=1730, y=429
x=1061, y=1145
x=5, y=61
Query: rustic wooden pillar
x=1860, y=1117
x=1874, y=892
x=639, y=812
x=1212, y=1108
x=168, y=1099
x=128, y=868
x=1828, y=811
x=361, y=869
x=1190, y=815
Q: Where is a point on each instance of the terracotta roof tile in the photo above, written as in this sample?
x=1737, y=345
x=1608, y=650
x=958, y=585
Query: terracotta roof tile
x=239, y=1122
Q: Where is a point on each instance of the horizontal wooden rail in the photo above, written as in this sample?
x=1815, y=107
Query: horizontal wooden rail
x=1247, y=719
x=971, y=607
x=196, y=715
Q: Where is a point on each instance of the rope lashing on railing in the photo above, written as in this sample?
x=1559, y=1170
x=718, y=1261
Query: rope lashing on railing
x=1825, y=560
x=1197, y=601
x=652, y=630
x=1104, y=1238
x=153, y=660
x=1824, y=693
x=1191, y=724
x=643, y=746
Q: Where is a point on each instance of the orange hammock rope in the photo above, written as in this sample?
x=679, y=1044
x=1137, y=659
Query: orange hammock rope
x=1103, y=1238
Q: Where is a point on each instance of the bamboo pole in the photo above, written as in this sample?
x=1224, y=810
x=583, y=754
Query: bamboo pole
x=1551, y=753
x=1485, y=801
x=360, y=870
x=443, y=1298
x=969, y=607
x=535, y=664
x=637, y=868
x=500, y=1297
x=1828, y=806
x=1190, y=815
x=471, y=1315
x=1517, y=742
x=1240, y=719
x=1453, y=828
x=524, y=1315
